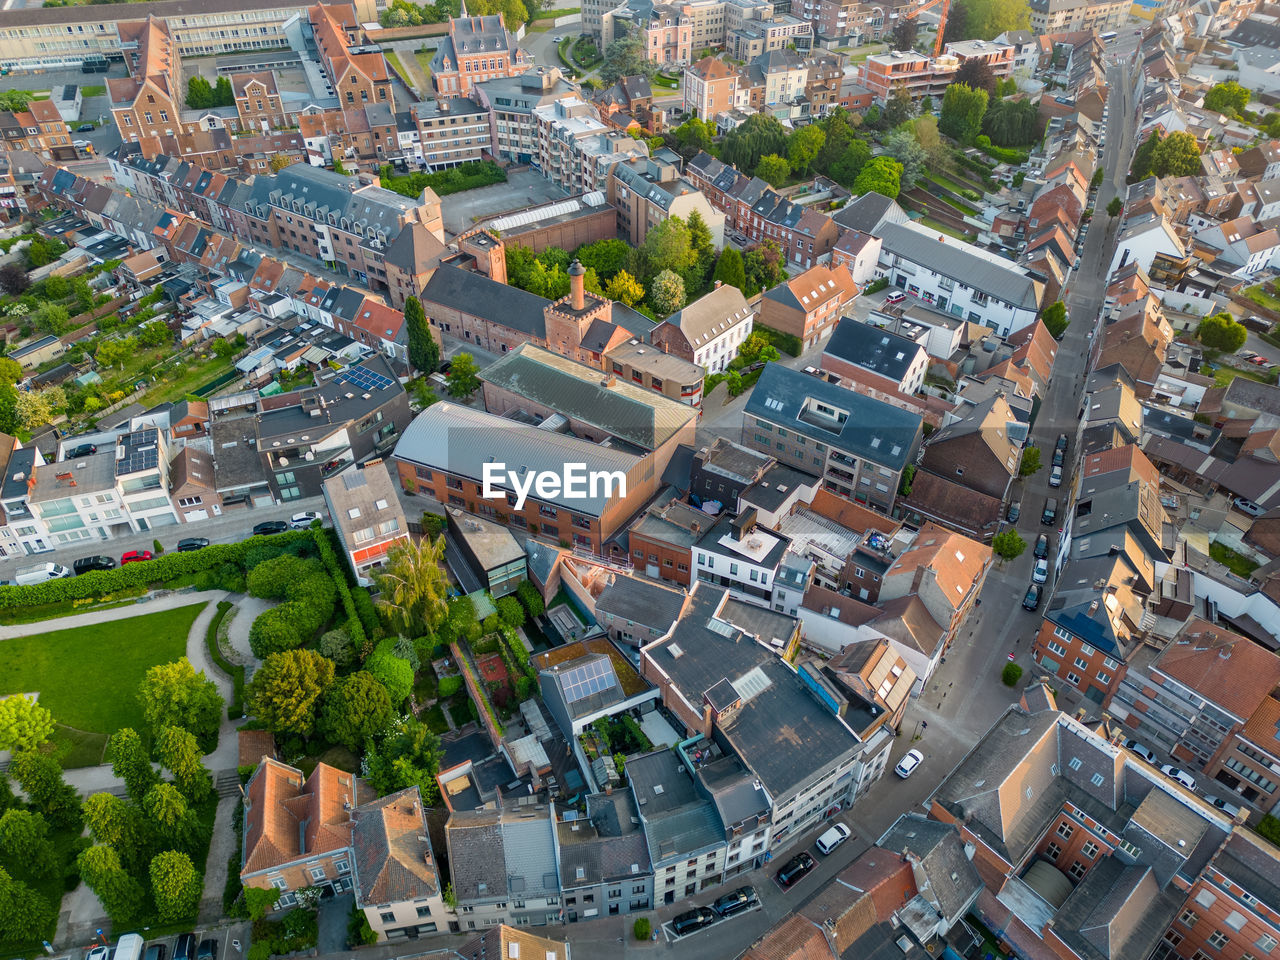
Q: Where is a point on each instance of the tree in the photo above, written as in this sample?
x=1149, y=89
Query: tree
x=729, y=269
x=846, y=168
x=356, y=708
x=1011, y=674
x=180, y=755
x=24, y=841
x=1007, y=544
x=199, y=93
x=130, y=763
x=1012, y=123
x=270, y=579
x=114, y=352
x=37, y=407
x=413, y=587
x=223, y=95
x=962, y=112
x=409, y=756
x=273, y=630
x=763, y=263
x=1229, y=98
x=117, y=824
x=258, y=901
x=40, y=777
x=666, y=293
x=704, y=251
x=24, y=914
x=279, y=161
x=24, y=724
x=1177, y=155
x=1220, y=331
x=693, y=136
x=881, y=174
x=1096, y=180
x=758, y=135
x=463, y=379
x=175, y=885
x=174, y=695
x=626, y=288
x=286, y=690
x=395, y=672
x=13, y=279
x=904, y=34
x=838, y=132
x=898, y=109
x=1140, y=167
x=976, y=73
x=902, y=146
x=1114, y=207
x=514, y=13
x=606, y=257
x=1030, y=461
x=803, y=146
x=155, y=334
x=1055, y=319
x=170, y=815
x=986, y=19
x=926, y=106
x=424, y=352
x=668, y=246
x=773, y=169
x=625, y=57
x=121, y=896
x=510, y=612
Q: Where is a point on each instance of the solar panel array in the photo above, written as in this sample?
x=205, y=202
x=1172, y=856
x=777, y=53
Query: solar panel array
x=594, y=676
x=141, y=452
x=364, y=378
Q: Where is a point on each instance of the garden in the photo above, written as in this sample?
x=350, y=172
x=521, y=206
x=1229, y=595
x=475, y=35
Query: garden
x=465, y=176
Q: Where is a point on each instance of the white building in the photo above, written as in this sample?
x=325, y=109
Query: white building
x=708, y=331
x=1143, y=239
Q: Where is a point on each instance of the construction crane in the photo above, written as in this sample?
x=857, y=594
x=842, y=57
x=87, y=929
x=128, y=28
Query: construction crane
x=920, y=8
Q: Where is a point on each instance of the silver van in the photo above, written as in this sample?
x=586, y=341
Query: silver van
x=39, y=573
x=837, y=835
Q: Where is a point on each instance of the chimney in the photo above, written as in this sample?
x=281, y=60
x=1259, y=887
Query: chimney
x=577, y=298
x=1093, y=607
x=718, y=282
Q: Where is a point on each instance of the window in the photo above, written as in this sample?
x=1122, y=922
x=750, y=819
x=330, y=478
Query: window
x=1097, y=780
x=342, y=866
x=1073, y=679
x=1057, y=648
x=1189, y=918
x=1075, y=763
x=1266, y=943
x=317, y=873
x=1217, y=940
x=1082, y=663
x=387, y=917
x=1052, y=851
x=424, y=911
x=1077, y=870
x=1065, y=830
x=1087, y=650
x=1090, y=849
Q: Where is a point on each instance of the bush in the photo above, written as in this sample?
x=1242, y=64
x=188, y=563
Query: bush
x=465, y=176
x=530, y=599
x=359, y=933
x=100, y=583
x=1004, y=154
x=1269, y=827
x=785, y=342
x=1011, y=674
x=641, y=928
x=448, y=687
x=338, y=570
x=876, y=285
x=366, y=610
x=274, y=631
x=433, y=524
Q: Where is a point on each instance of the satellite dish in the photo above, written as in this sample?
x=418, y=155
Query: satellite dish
x=284, y=461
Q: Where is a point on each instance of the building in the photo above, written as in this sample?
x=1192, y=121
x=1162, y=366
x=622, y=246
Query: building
x=810, y=305
x=357, y=74
x=509, y=941
x=646, y=191
x=709, y=331
x=857, y=445
x=367, y=517
x=710, y=88
x=491, y=551
x=396, y=884
x=477, y=49
x=1065, y=16
x=445, y=450
x=876, y=358
x=959, y=279
x=504, y=866
x=148, y=102
x=604, y=859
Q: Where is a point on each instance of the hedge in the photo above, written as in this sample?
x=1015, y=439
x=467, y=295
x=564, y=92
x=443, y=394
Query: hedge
x=98, y=583
x=1005, y=154
x=235, y=709
x=876, y=285
x=338, y=570
x=786, y=342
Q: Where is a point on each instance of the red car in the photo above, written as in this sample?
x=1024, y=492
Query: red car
x=896, y=297
x=134, y=556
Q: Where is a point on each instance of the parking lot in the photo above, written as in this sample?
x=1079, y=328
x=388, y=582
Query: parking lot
x=221, y=944
x=671, y=936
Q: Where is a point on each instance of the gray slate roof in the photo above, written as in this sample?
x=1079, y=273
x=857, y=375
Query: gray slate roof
x=1006, y=282
x=874, y=349
x=477, y=295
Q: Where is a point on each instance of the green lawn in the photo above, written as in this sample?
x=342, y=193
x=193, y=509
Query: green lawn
x=88, y=676
x=943, y=180
x=1223, y=375
x=435, y=721
x=396, y=65
x=424, y=58
x=943, y=228
x=93, y=90
x=1236, y=562
x=1263, y=299
x=962, y=207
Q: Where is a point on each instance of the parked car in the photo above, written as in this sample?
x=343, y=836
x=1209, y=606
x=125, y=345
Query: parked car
x=1042, y=546
x=1184, y=778
x=795, y=870
x=1230, y=809
x=1059, y=456
x=87, y=128
x=1015, y=511
x=690, y=922
x=832, y=838
x=84, y=450
x=270, y=527
x=301, y=521
x=897, y=296
x=184, y=948
x=154, y=952
x=208, y=950
x=1050, y=513
x=735, y=902
x=192, y=543
x=1141, y=750
x=135, y=556
x=1062, y=443
x=1032, y=600
x=1055, y=477
x=907, y=765
x=98, y=953
x=85, y=564
x=1041, y=572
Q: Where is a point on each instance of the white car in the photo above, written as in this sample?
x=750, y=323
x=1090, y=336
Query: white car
x=1041, y=573
x=1141, y=750
x=1055, y=477
x=907, y=765
x=837, y=835
x=1230, y=809
x=301, y=521
x=1184, y=778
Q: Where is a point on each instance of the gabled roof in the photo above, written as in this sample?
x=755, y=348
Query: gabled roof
x=477, y=295
x=393, y=860
x=1224, y=667
x=987, y=273
x=288, y=819
x=711, y=315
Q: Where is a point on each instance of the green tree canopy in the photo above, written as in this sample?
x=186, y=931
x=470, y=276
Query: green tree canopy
x=424, y=352
x=25, y=844
x=40, y=777
x=1177, y=155
x=24, y=724
x=977, y=74
x=625, y=57
x=463, y=378
x=286, y=691
x=1055, y=320
x=24, y=914
x=881, y=174
x=174, y=695
x=120, y=895
x=118, y=824
x=962, y=111
x=395, y=672
x=1007, y=544
x=129, y=762
x=1030, y=461
x=986, y=19
x=773, y=169
x=414, y=588
x=180, y=754
x=692, y=136
x=904, y=148
x=803, y=146
x=849, y=164
x=626, y=288
x=606, y=257
x=666, y=293
x=1220, y=331
x=729, y=269
x=1012, y=123
x=1229, y=98
x=1140, y=167
x=1114, y=207
x=668, y=246
x=758, y=135
x=175, y=886
x=356, y=708
x=409, y=756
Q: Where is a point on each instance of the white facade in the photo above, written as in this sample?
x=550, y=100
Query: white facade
x=715, y=354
